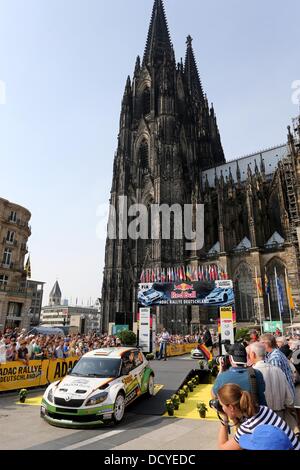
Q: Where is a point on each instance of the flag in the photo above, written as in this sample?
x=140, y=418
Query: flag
x=188, y=273
x=142, y=278
x=289, y=292
x=27, y=268
x=258, y=283
x=267, y=284
x=183, y=274
x=279, y=289
x=205, y=351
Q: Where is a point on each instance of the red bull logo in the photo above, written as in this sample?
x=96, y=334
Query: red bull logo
x=183, y=287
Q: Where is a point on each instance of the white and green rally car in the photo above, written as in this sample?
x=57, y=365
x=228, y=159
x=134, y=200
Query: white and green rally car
x=98, y=388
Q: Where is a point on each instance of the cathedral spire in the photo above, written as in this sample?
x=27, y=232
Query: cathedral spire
x=191, y=72
x=158, y=41
x=137, y=68
x=127, y=92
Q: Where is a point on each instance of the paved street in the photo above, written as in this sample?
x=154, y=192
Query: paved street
x=22, y=428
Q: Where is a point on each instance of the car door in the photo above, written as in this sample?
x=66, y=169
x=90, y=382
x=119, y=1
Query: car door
x=138, y=371
x=134, y=386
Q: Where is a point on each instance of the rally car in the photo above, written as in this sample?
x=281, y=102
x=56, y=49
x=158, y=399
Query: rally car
x=149, y=296
x=98, y=388
x=197, y=354
x=218, y=296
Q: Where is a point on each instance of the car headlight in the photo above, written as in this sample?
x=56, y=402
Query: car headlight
x=97, y=399
x=50, y=396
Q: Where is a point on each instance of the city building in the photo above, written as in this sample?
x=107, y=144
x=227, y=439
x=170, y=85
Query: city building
x=170, y=152
x=37, y=290
x=15, y=294
x=77, y=318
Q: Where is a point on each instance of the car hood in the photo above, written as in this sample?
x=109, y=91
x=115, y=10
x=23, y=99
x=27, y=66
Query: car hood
x=79, y=387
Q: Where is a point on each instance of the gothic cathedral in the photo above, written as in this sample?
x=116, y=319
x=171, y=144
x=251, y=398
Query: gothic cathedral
x=170, y=152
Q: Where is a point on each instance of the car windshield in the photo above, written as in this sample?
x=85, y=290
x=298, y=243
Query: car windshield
x=216, y=291
x=149, y=292
x=97, y=367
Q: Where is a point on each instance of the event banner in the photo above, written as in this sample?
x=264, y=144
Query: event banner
x=144, y=330
x=15, y=375
x=206, y=293
x=227, y=332
x=59, y=368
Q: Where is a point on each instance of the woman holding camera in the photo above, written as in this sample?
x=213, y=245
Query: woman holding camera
x=239, y=408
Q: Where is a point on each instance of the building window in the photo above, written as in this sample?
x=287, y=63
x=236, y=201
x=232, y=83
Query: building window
x=7, y=257
x=13, y=216
x=144, y=155
x=14, y=309
x=244, y=294
x=3, y=280
x=10, y=237
x=146, y=101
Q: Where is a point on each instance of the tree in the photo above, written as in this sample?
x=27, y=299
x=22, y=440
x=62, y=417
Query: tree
x=128, y=338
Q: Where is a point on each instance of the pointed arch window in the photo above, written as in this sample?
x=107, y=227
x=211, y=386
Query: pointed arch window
x=146, y=101
x=244, y=293
x=144, y=156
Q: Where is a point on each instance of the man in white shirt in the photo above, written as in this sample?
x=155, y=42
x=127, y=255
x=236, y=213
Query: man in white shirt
x=164, y=339
x=278, y=394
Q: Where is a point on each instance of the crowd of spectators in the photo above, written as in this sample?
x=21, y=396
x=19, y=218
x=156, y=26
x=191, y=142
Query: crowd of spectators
x=19, y=345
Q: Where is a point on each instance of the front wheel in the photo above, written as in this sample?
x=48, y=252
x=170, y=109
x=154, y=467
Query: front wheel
x=150, y=387
x=119, y=408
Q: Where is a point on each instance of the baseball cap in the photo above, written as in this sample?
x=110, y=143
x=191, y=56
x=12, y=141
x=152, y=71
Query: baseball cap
x=266, y=437
x=238, y=352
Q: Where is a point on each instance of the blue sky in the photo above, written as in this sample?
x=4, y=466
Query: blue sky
x=65, y=65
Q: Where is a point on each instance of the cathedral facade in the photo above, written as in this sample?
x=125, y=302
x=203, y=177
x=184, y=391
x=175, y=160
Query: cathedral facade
x=170, y=152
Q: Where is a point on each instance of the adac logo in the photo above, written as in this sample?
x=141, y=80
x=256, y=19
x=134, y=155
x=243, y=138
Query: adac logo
x=183, y=287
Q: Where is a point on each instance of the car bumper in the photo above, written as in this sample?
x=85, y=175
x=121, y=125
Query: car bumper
x=75, y=419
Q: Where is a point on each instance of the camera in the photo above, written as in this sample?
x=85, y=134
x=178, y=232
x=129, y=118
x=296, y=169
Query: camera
x=216, y=405
x=223, y=361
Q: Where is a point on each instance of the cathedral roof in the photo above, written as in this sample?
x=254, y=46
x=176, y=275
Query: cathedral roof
x=275, y=239
x=158, y=40
x=269, y=158
x=244, y=245
x=56, y=292
x=215, y=249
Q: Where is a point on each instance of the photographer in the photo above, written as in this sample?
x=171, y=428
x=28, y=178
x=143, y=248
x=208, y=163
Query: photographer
x=238, y=407
x=247, y=378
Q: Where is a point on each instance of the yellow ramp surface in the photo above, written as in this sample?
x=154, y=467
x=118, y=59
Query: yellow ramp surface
x=188, y=409
x=36, y=401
